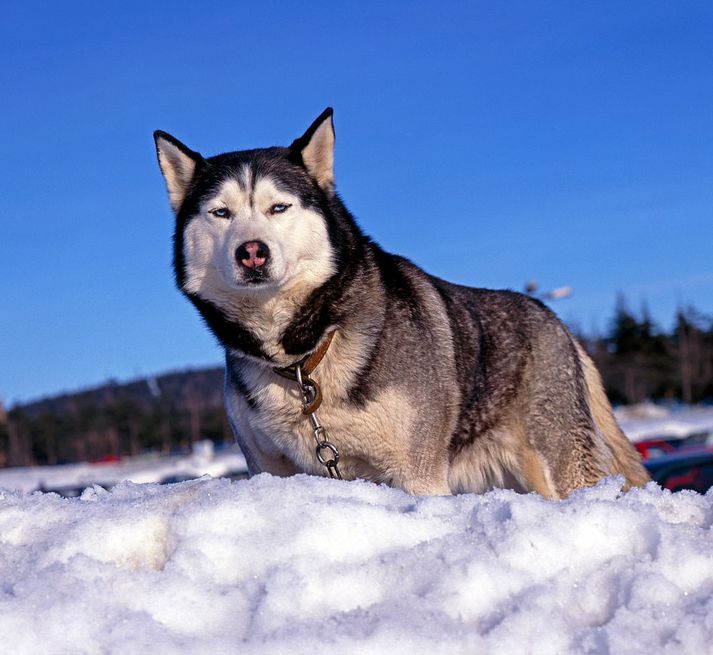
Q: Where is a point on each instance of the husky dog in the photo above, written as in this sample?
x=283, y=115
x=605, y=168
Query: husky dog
x=429, y=386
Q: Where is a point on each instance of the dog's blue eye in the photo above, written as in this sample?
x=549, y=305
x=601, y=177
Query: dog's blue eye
x=221, y=212
x=279, y=208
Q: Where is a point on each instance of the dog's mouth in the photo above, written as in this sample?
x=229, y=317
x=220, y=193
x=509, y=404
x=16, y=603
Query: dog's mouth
x=257, y=275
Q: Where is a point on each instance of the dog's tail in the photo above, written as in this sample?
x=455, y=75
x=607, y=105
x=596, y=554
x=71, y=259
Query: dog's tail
x=625, y=459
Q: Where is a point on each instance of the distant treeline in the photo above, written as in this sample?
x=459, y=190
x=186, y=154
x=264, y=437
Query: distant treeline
x=162, y=414
x=640, y=361
x=637, y=359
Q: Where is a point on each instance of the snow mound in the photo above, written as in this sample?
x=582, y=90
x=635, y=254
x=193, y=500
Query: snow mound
x=311, y=565
x=145, y=468
x=648, y=421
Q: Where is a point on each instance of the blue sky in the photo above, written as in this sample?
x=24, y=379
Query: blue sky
x=489, y=142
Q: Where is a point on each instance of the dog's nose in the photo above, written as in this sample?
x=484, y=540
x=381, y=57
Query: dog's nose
x=252, y=254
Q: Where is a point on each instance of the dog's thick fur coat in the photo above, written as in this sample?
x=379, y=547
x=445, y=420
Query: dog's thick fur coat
x=429, y=386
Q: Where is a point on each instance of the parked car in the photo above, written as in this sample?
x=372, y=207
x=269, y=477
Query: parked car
x=652, y=448
x=683, y=469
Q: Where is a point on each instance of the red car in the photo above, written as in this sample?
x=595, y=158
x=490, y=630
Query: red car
x=684, y=469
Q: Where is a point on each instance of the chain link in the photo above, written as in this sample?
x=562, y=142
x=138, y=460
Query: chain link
x=311, y=400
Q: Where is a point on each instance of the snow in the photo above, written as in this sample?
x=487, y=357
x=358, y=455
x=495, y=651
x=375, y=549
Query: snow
x=648, y=421
x=203, y=460
x=311, y=565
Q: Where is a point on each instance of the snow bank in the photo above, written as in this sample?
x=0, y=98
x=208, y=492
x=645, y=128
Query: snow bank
x=151, y=468
x=310, y=565
x=648, y=421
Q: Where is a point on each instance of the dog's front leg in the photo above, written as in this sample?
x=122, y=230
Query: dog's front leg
x=258, y=458
x=419, y=487
x=427, y=475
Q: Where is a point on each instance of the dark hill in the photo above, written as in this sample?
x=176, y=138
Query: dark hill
x=162, y=413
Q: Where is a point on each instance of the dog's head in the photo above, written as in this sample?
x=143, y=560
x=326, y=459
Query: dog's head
x=254, y=221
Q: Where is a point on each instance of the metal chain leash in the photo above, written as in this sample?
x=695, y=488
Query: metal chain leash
x=326, y=451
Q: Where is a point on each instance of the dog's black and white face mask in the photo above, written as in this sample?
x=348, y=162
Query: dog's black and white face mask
x=254, y=221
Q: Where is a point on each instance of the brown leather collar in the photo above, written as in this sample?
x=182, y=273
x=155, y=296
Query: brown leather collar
x=308, y=363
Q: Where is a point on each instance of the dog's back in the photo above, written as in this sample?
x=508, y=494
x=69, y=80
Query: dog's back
x=533, y=410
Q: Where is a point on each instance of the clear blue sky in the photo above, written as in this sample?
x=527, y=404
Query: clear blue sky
x=489, y=142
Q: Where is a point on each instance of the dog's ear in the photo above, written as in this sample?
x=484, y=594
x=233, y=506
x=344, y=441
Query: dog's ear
x=315, y=150
x=178, y=165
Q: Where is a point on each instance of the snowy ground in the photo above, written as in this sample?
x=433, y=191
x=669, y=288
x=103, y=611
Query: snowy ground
x=306, y=565
x=310, y=565
x=152, y=468
x=648, y=421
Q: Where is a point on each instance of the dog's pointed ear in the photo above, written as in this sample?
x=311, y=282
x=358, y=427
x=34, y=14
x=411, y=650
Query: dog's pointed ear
x=178, y=165
x=315, y=150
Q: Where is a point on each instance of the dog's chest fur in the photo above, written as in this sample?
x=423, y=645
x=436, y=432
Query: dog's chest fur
x=267, y=318
x=267, y=410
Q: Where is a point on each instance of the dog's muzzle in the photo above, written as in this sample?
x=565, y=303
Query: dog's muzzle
x=253, y=259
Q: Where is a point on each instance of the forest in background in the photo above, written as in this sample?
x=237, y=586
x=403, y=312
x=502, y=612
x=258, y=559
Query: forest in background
x=638, y=361
x=166, y=413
